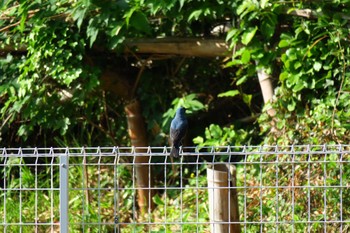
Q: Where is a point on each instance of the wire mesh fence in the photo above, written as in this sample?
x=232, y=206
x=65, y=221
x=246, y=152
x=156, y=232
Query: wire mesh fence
x=106, y=189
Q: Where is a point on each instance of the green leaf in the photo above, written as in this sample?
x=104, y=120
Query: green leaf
x=245, y=58
x=284, y=75
x=299, y=86
x=92, y=31
x=232, y=33
x=230, y=93
x=215, y=131
x=283, y=43
x=190, y=103
x=195, y=15
x=194, y=105
x=281, y=124
x=128, y=15
x=115, y=41
x=78, y=15
x=248, y=36
x=198, y=140
x=63, y=125
x=156, y=199
x=264, y=3
x=242, y=80
x=23, y=10
x=297, y=65
x=291, y=105
x=22, y=130
x=117, y=28
x=247, y=98
x=246, y=7
x=317, y=66
x=181, y=4
x=268, y=25
x=140, y=22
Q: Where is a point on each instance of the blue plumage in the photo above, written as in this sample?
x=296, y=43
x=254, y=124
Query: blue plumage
x=178, y=129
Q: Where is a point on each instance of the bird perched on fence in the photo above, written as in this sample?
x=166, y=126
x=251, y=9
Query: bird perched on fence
x=178, y=129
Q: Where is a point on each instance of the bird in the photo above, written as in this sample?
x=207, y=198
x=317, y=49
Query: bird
x=178, y=130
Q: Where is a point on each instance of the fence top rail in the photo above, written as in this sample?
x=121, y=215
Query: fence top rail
x=185, y=151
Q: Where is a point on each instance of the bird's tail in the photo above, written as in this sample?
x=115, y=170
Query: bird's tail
x=175, y=152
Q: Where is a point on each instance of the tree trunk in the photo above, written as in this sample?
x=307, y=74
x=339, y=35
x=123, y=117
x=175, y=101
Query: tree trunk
x=116, y=82
x=137, y=133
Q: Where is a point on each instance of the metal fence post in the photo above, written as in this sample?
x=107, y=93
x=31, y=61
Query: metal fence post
x=64, y=166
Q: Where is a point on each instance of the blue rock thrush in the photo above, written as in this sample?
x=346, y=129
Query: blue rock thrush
x=178, y=129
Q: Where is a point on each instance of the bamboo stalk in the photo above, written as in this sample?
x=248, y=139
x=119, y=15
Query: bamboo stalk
x=266, y=88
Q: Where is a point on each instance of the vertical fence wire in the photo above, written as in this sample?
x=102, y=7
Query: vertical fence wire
x=116, y=190
x=52, y=154
x=165, y=193
x=197, y=192
x=84, y=189
x=149, y=194
x=277, y=194
x=4, y=168
x=229, y=194
x=299, y=188
x=212, y=217
x=261, y=190
x=293, y=187
x=340, y=164
x=36, y=191
x=324, y=190
x=245, y=190
x=181, y=195
x=309, y=191
x=134, y=185
x=99, y=185
x=20, y=188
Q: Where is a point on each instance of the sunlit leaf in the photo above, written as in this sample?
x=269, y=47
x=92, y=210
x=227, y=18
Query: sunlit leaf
x=232, y=33
x=158, y=200
x=247, y=98
x=283, y=43
x=245, y=56
x=317, y=66
x=249, y=35
x=230, y=93
x=195, y=15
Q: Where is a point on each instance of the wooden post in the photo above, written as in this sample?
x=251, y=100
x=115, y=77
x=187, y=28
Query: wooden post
x=223, y=201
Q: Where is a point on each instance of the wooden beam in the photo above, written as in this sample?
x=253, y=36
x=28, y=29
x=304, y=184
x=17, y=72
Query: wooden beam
x=192, y=47
x=310, y=14
x=178, y=46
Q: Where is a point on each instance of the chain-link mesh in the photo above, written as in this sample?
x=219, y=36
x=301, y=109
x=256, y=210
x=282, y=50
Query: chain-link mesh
x=223, y=189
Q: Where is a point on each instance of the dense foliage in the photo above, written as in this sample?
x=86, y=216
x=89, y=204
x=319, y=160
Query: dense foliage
x=53, y=53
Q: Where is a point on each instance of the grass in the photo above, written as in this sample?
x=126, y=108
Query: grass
x=31, y=198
